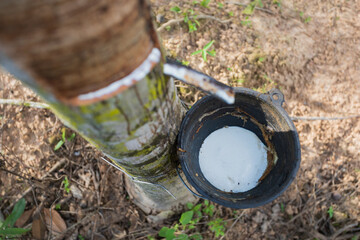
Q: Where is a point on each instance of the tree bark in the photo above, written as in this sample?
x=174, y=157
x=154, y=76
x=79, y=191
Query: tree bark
x=99, y=66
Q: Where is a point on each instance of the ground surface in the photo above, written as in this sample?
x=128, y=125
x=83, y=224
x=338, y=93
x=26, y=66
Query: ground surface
x=308, y=49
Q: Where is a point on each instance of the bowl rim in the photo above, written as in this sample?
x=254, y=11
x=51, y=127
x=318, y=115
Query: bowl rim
x=268, y=99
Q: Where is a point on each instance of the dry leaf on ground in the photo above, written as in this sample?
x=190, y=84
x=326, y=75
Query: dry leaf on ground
x=24, y=218
x=38, y=229
x=54, y=222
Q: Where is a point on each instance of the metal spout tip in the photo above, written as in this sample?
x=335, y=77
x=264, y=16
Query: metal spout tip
x=200, y=80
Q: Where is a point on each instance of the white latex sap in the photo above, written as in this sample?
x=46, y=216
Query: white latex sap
x=233, y=159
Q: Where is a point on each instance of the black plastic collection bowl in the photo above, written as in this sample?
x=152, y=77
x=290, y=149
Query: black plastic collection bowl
x=263, y=115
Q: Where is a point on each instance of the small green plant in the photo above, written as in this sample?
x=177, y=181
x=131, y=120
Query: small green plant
x=331, y=212
x=175, y=9
x=277, y=2
x=189, y=18
x=246, y=22
x=269, y=83
x=209, y=208
x=81, y=237
x=63, y=139
x=58, y=206
x=186, y=63
x=231, y=14
x=307, y=20
x=205, y=3
x=205, y=51
x=240, y=80
x=249, y=9
x=66, y=184
x=185, y=229
x=220, y=5
x=188, y=15
x=7, y=229
x=262, y=59
x=218, y=227
x=282, y=207
x=168, y=28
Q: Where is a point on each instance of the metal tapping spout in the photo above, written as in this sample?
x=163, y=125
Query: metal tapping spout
x=200, y=80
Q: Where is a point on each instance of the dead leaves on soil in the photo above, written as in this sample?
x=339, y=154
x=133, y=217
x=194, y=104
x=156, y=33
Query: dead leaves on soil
x=54, y=222
x=50, y=219
x=38, y=229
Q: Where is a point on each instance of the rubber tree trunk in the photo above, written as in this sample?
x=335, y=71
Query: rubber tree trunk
x=99, y=65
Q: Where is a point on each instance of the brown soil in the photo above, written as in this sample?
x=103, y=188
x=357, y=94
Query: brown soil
x=313, y=61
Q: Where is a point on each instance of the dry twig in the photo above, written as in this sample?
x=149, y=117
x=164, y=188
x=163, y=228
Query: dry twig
x=341, y=230
x=173, y=21
x=232, y=225
x=323, y=118
x=19, y=102
x=56, y=166
x=245, y=5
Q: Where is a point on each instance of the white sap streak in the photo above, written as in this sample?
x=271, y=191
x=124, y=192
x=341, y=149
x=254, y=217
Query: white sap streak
x=136, y=75
x=233, y=159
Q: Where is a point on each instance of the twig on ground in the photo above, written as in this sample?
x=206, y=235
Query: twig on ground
x=51, y=219
x=341, y=230
x=18, y=175
x=245, y=5
x=19, y=102
x=62, y=235
x=349, y=236
x=323, y=118
x=232, y=225
x=57, y=165
x=46, y=106
x=318, y=235
x=173, y=21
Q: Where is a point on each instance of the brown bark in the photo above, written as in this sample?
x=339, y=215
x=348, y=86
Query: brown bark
x=66, y=48
x=73, y=46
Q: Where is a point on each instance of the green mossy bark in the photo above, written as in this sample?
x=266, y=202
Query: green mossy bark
x=136, y=130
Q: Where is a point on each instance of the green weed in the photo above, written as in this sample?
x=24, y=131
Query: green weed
x=250, y=8
x=186, y=63
x=277, y=2
x=7, y=229
x=330, y=212
x=175, y=9
x=205, y=3
x=58, y=206
x=63, y=139
x=218, y=227
x=269, y=83
x=307, y=19
x=246, y=22
x=204, y=52
x=188, y=15
x=282, y=207
x=66, y=184
x=189, y=18
x=185, y=229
